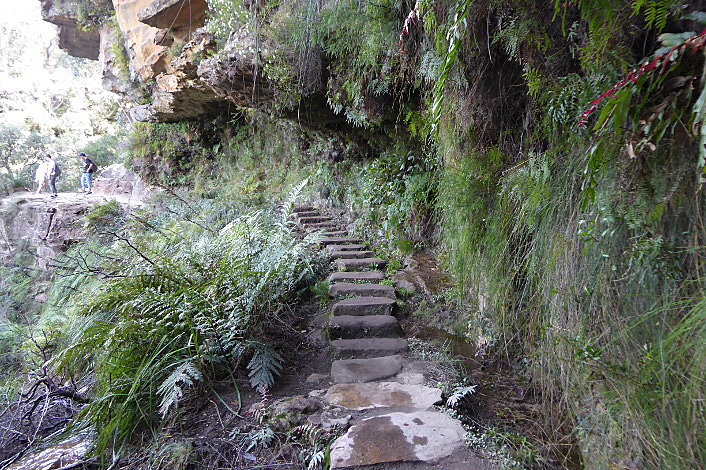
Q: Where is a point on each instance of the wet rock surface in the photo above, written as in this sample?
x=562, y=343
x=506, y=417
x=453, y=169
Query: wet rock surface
x=381, y=395
x=365, y=370
x=422, y=436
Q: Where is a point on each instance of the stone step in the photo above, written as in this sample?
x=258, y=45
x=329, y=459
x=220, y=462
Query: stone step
x=355, y=264
x=346, y=371
x=303, y=208
x=342, y=289
x=346, y=247
x=368, y=347
x=297, y=215
x=366, y=396
x=363, y=306
x=335, y=233
x=344, y=276
x=313, y=219
x=420, y=436
x=369, y=326
x=351, y=254
x=338, y=240
x=311, y=228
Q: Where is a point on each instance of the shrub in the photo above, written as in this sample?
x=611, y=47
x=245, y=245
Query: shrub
x=178, y=307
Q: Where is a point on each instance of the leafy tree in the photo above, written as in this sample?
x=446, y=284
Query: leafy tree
x=19, y=150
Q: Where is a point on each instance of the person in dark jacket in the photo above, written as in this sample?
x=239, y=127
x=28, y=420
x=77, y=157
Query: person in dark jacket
x=54, y=172
x=87, y=169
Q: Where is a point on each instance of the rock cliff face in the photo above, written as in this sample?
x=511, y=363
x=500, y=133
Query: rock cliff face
x=50, y=226
x=170, y=54
x=72, y=39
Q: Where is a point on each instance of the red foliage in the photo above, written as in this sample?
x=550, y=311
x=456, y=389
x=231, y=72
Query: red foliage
x=695, y=43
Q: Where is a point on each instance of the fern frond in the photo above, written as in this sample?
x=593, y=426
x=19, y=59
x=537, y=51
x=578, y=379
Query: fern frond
x=172, y=389
x=264, y=366
x=459, y=394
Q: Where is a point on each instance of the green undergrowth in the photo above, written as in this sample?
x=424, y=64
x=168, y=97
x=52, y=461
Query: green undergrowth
x=170, y=304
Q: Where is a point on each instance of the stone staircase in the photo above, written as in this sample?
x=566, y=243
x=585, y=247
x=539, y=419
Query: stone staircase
x=393, y=419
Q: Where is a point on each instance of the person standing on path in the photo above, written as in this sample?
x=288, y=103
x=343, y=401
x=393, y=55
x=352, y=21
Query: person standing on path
x=53, y=173
x=41, y=176
x=86, y=173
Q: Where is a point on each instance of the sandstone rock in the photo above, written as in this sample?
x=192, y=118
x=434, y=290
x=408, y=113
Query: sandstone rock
x=336, y=240
x=148, y=56
x=342, y=289
x=113, y=78
x=368, y=276
x=375, y=326
x=316, y=378
x=235, y=74
x=364, y=396
x=368, y=347
x=365, y=370
x=422, y=436
x=178, y=93
x=364, y=306
x=118, y=179
x=174, y=14
x=73, y=39
x=351, y=254
x=49, y=225
x=353, y=264
x=330, y=419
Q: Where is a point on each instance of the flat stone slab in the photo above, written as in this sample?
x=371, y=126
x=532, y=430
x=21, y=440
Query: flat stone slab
x=422, y=436
x=346, y=371
x=320, y=226
x=297, y=215
x=370, y=326
x=339, y=240
x=313, y=219
x=303, y=208
x=353, y=264
x=365, y=396
x=368, y=347
x=360, y=306
x=335, y=233
x=344, y=276
x=342, y=289
x=345, y=247
x=356, y=254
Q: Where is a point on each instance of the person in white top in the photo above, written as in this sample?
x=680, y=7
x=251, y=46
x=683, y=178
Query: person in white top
x=41, y=176
x=47, y=172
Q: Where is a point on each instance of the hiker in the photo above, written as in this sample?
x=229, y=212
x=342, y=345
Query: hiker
x=41, y=176
x=86, y=173
x=53, y=172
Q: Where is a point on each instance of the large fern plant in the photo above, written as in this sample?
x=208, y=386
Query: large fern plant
x=176, y=306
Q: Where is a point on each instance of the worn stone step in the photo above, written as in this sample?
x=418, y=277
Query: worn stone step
x=368, y=347
x=314, y=219
x=369, y=326
x=342, y=289
x=338, y=240
x=351, y=254
x=355, y=264
x=311, y=228
x=297, y=215
x=419, y=436
x=363, y=306
x=366, y=396
x=345, y=276
x=335, y=233
x=356, y=247
x=303, y=208
x=347, y=371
